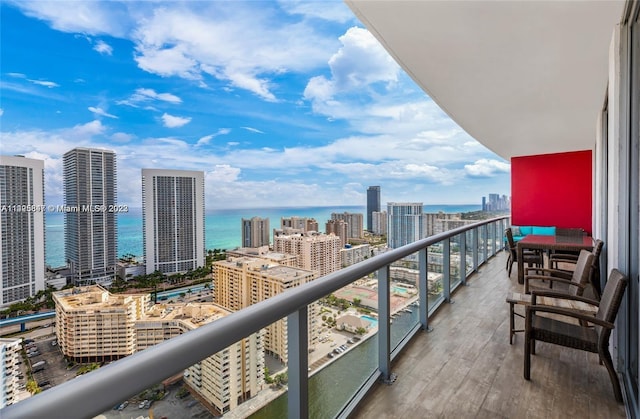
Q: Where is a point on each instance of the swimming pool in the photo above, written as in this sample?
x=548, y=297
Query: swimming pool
x=372, y=320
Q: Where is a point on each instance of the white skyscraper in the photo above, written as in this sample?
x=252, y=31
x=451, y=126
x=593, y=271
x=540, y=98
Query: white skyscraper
x=405, y=223
x=21, y=228
x=90, y=222
x=173, y=220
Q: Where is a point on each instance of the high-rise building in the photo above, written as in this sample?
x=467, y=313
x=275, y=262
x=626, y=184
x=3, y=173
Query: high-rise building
x=223, y=380
x=173, y=220
x=338, y=228
x=379, y=223
x=21, y=228
x=373, y=205
x=315, y=251
x=439, y=222
x=255, y=232
x=10, y=357
x=354, y=223
x=298, y=224
x=354, y=254
x=241, y=282
x=405, y=223
x=496, y=203
x=90, y=223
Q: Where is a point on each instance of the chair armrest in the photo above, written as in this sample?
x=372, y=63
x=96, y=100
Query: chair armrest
x=530, y=310
x=551, y=272
x=555, y=294
x=553, y=279
x=565, y=257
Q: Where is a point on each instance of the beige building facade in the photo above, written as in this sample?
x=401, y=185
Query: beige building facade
x=241, y=282
x=317, y=252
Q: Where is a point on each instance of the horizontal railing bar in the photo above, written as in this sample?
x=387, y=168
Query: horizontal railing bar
x=93, y=393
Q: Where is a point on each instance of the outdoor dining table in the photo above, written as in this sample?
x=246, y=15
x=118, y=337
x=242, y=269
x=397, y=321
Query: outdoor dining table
x=571, y=243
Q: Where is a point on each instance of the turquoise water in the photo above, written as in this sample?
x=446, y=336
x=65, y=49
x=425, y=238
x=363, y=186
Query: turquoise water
x=222, y=227
x=372, y=320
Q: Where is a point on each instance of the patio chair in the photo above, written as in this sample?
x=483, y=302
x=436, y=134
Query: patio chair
x=576, y=282
x=558, y=260
x=593, y=337
x=530, y=257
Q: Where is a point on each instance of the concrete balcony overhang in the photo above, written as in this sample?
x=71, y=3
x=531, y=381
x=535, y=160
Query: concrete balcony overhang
x=521, y=77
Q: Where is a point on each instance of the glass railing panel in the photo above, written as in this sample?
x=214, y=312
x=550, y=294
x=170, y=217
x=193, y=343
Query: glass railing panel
x=344, y=354
x=435, y=283
x=482, y=244
x=456, y=253
x=404, y=291
x=468, y=252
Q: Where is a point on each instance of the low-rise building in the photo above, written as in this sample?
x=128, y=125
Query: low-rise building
x=93, y=325
x=9, y=369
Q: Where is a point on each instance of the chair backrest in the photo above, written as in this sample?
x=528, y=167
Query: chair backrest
x=610, y=302
x=509, y=235
x=597, y=249
x=582, y=273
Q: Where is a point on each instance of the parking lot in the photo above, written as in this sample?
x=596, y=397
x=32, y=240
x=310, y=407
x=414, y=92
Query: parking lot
x=51, y=367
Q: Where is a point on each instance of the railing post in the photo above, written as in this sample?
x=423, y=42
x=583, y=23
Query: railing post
x=298, y=343
x=384, y=325
x=463, y=258
x=475, y=248
x=423, y=308
x=446, y=269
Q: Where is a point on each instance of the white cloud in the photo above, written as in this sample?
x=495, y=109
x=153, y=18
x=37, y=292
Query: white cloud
x=487, y=168
x=223, y=173
x=101, y=112
x=103, y=48
x=142, y=95
x=17, y=75
x=171, y=121
x=360, y=62
x=1, y=111
x=207, y=138
x=122, y=137
x=257, y=131
x=242, y=45
x=44, y=83
x=89, y=17
x=335, y=12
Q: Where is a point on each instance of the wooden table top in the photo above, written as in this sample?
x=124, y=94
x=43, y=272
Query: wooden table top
x=525, y=299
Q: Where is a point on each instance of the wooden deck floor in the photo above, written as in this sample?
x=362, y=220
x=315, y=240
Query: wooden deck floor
x=465, y=367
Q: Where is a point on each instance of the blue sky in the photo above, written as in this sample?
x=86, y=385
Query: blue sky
x=279, y=103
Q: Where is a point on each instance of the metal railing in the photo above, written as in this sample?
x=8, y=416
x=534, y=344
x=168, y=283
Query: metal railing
x=96, y=392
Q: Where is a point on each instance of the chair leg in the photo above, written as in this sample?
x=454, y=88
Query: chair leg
x=605, y=357
x=510, y=266
x=527, y=356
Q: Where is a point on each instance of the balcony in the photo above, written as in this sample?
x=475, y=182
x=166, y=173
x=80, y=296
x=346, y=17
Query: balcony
x=463, y=367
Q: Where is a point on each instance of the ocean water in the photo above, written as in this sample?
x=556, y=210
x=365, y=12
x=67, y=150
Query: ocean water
x=222, y=227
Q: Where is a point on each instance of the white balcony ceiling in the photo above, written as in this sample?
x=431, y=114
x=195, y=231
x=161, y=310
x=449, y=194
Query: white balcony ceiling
x=521, y=77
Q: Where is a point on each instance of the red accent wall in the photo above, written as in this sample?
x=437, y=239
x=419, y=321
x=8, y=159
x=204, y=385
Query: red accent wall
x=552, y=190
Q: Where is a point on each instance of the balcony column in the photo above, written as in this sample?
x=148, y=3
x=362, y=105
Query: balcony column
x=384, y=325
x=298, y=343
x=446, y=269
x=423, y=295
x=463, y=258
x=485, y=239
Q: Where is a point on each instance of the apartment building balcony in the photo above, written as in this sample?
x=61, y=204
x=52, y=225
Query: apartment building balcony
x=465, y=367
